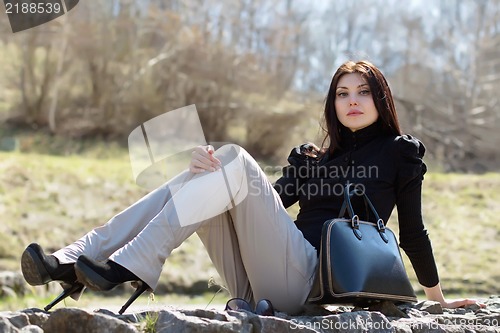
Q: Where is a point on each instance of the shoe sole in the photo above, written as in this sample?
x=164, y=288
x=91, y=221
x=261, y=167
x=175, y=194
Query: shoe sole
x=92, y=280
x=32, y=268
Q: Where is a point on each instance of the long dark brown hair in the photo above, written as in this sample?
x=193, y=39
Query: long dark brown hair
x=382, y=98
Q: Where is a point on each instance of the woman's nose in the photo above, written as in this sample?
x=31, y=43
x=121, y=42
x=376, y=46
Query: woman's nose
x=353, y=102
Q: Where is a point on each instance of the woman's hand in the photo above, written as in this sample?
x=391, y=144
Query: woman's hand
x=459, y=303
x=202, y=160
x=309, y=149
x=436, y=294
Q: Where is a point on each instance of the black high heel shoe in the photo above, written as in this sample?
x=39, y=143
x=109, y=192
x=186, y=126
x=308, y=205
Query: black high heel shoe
x=39, y=269
x=103, y=276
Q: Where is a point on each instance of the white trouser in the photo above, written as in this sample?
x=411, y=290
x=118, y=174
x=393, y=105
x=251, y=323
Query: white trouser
x=253, y=243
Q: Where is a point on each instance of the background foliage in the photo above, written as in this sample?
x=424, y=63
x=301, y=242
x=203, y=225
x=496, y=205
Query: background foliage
x=257, y=69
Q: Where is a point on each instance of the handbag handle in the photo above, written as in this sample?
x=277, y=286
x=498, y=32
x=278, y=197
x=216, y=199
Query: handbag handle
x=347, y=205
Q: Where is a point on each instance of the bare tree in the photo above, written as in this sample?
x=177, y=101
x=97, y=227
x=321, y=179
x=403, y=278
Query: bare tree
x=458, y=111
x=127, y=61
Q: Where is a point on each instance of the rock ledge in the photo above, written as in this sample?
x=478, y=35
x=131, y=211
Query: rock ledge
x=385, y=317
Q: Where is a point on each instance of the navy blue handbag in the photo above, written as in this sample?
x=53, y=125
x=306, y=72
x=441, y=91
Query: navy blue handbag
x=360, y=262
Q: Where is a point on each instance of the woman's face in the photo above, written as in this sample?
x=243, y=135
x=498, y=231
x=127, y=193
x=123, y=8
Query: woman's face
x=354, y=102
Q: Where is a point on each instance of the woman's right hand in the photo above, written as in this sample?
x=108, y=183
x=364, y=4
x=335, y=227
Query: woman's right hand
x=202, y=160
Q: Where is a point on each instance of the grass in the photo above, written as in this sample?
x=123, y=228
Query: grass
x=462, y=214
x=148, y=324
x=92, y=300
x=55, y=199
x=52, y=198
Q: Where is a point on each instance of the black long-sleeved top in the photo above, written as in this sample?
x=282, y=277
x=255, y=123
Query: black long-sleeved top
x=391, y=170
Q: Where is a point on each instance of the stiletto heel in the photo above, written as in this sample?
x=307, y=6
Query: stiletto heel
x=77, y=293
x=74, y=290
x=142, y=287
x=103, y=276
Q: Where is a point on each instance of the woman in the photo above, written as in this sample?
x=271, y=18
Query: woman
x=241, y=219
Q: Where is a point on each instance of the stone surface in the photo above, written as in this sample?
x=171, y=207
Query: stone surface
x=12, y=284
x=31, y=329
x=79, y=321
x=418, y=318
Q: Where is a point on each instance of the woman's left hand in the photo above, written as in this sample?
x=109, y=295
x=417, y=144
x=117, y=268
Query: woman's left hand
x=460, y=303
x=436, y=294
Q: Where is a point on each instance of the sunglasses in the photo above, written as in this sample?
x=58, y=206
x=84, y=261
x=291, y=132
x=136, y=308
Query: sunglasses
x=263, y=307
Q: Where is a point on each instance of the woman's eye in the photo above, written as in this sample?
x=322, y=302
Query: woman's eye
x=364, y=92
x=342, y=94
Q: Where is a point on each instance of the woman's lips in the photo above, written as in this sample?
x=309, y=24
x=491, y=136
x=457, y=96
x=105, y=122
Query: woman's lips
x=354, y=113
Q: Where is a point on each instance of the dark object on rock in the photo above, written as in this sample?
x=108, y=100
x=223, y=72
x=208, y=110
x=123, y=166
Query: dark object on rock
x=430, y=307
x=388, y=309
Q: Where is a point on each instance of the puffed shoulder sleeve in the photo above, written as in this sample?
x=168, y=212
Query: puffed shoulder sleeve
x=413, y=236
x=411, y=167
x=302, y=158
